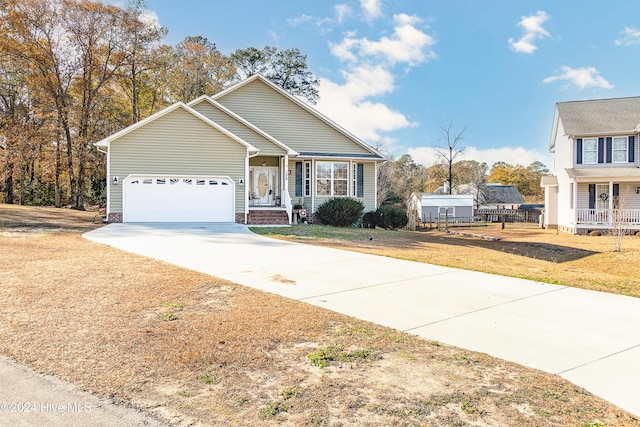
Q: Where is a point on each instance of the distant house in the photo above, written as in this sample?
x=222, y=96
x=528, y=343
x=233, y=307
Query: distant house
x=429, y=207
x=596, y=176
x=498, y=196
x=489, y=195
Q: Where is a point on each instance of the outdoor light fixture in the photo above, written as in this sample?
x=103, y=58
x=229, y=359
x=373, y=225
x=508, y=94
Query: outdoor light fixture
x=637, y=190
x=115, y=180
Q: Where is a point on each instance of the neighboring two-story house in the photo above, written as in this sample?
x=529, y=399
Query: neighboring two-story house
x=596, y=174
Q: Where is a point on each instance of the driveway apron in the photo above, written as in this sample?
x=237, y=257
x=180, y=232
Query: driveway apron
x=590, y=338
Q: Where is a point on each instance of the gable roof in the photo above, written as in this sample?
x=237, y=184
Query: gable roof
x=376, y=155
x=205, y=98
x=600, y=116
x=178, y=105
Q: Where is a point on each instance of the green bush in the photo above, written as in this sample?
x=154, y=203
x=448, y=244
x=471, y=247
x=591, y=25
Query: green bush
x=391, y=217
x=369, y=220
x=340, y=211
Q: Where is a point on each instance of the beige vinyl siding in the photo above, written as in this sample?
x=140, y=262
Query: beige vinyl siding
x=177, y=143
x=368, y=198
x=265, y=146
x=287, y=122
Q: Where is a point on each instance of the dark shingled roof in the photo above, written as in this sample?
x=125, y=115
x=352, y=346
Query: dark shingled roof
x=499, y=194
x=600, y=116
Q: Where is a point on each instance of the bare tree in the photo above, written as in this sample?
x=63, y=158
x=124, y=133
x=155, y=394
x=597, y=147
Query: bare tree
x=619, y=220
x=451, y=148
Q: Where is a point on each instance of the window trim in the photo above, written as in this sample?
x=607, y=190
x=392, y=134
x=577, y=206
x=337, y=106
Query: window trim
x=585, y=159
x=306, y=179
x=626, y=149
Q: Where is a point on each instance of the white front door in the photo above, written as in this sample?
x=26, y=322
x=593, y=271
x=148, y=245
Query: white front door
x=264, y=185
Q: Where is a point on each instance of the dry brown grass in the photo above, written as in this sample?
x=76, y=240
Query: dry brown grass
x=98, y=317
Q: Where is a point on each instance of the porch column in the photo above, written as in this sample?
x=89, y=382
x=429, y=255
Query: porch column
x=574, y=200
x=610, y=216
x=285, y=177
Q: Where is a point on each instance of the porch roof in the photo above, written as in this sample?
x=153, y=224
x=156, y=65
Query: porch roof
x=341, y=155
x=613, y=173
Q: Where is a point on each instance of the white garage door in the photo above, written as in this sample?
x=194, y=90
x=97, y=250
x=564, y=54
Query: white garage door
x=178, y=199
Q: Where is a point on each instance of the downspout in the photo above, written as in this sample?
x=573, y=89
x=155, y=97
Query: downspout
x=313, y=186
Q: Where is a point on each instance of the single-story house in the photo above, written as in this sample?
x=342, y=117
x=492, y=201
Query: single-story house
x=247, y=154
x=429, y=207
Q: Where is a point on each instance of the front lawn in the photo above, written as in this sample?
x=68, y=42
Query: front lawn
x=197, y=350
x=524, y=251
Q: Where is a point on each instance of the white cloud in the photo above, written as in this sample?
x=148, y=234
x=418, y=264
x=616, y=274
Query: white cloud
x=341, y=12
x=581, y=77
x=630, y=36
x=533, y=31
x=427, y=156
x=372, y=9
x=347, y=103
x=324, y=24
x=408, y=44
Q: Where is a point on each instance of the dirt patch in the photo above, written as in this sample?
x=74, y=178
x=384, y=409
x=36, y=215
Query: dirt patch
x=197, y=350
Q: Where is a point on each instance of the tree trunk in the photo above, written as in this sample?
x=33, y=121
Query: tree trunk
x=58, y=167
x=8, y=184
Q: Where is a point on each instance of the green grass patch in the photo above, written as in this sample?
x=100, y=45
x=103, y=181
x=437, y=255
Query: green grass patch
x=325, y=356
x=303, y=231
x=168, y=317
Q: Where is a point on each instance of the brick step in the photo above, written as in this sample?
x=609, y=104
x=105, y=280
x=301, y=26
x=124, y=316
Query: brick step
x=262, y=217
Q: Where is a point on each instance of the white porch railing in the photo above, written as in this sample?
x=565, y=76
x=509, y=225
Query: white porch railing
x=288, y=204
x=602, y=216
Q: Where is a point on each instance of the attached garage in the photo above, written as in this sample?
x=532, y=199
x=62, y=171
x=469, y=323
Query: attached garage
x=178, y=199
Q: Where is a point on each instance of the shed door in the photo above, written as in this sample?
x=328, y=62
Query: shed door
x=178, y=199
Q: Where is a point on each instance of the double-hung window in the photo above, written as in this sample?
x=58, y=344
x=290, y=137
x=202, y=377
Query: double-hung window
x=620, y=149
x=332, y=178
x=590, y=150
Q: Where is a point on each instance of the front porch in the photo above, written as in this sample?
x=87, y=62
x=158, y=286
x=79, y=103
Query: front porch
x=607, y=220
x=269, y=202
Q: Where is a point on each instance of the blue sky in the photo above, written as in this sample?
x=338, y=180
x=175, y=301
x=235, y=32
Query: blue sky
x=395, y=71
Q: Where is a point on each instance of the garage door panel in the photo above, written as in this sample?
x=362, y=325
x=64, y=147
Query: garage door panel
x=179, y=199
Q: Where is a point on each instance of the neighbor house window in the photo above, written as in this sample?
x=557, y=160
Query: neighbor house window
x=620, y=149
x=332, y=178
x=590, y=150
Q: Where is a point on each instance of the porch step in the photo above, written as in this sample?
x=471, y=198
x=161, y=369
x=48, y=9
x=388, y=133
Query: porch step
x=269, y=217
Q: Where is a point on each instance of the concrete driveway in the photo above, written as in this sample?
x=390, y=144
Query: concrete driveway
x=590, y=338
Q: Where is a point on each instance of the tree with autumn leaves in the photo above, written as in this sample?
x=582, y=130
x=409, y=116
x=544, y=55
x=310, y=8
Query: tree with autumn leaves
x=75, y=71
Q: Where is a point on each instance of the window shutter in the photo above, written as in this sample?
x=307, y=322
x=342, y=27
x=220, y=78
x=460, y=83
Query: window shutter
x=609, y=149
x=360, y=183
x=632, y=149
x=600, y=150
x=298, y=179
x=579, y=151
x=592, y=196
x=616, y=193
